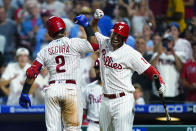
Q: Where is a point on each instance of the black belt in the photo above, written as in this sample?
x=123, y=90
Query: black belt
x=66, y=81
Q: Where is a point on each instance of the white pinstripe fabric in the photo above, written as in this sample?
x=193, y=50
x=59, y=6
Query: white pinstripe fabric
x=93, y=127
x=56, y=119
x=117, y=114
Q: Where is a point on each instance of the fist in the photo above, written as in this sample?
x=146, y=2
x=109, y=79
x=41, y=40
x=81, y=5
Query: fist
x=24, y=100
x=98, y=14
x=162, y=89
x=81, y=20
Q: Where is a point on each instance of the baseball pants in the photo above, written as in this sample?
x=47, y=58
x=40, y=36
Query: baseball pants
x=93, y=127
x=117, y=114
x=63, y=108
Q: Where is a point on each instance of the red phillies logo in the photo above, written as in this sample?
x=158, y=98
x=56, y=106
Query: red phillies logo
x=109, y=62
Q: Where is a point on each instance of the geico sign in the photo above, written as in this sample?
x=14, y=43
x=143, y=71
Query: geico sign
x=170, y=108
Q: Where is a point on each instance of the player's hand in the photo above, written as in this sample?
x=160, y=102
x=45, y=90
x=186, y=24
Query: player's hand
x=24, y=100
x=98, y=14
x=81, y=20
x=162, y=89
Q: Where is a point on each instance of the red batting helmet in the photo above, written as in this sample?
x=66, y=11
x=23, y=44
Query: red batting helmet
x=122, y=29
x=54, y=24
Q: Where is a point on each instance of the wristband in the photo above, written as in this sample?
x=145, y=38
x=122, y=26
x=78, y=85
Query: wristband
x=89, y=31
x=26, y=88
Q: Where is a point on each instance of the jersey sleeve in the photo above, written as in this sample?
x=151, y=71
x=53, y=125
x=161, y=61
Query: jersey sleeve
x=41, y=56
x=81, y=45
x=100, y=38
x=136, y=62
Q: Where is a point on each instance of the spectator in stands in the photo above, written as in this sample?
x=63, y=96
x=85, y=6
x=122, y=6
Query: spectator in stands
x=139, y=13
x=156, y=41
x=189, y=77
x=39, y=87
x=77, y=30
x=143, y=80
x=180, y=44
x=57, y=8
x=8, y=29
x=189, y=10
x=189, y=33
x=147, y=34
x=159, y=9
x=10, y=10
x=138, y=95
x=42, y=37
x=31, y=22
x=14, y=75
x=176, y=12
x=169, y=63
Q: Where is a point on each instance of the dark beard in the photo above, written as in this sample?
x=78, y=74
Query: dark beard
x=98, y=78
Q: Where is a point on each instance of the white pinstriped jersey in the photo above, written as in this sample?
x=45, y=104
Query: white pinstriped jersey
x=62, y=57
x=92, y=100
x=117, y=66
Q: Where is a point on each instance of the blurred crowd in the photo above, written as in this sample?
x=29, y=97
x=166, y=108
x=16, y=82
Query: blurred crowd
x=163, y=31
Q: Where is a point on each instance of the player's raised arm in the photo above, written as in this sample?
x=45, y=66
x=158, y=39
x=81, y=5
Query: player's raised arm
x=31, y=73
x=83, y=21
x=97, y=15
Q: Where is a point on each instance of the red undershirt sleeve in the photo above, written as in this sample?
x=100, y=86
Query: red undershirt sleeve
x=152, y=71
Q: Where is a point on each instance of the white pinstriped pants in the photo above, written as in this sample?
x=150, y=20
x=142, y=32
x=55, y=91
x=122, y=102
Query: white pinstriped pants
x=93, y=127
x=117, y=114
x=63, y=108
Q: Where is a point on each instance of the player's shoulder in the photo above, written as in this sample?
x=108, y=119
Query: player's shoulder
x=128, y=50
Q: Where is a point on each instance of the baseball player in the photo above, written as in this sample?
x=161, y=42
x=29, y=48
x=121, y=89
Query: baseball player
x=118, y=61
x=61, y=57
x=92, y=100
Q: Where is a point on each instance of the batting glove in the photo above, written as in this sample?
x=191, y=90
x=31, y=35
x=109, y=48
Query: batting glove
x=81, y=20
x=98, y=14
x=25, y=101
x=162, y=89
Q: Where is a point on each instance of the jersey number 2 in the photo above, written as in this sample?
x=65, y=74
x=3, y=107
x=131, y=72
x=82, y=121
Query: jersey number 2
x=60, y=60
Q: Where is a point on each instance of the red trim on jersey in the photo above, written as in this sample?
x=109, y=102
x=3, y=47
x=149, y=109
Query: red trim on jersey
x=95, y=46
x=37, y=65
x=152, y=71
x=33, y=71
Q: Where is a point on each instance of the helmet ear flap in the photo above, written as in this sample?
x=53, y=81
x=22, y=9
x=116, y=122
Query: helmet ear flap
x=54, y=25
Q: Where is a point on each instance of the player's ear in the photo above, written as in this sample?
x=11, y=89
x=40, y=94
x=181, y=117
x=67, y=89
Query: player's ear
x=66, y=34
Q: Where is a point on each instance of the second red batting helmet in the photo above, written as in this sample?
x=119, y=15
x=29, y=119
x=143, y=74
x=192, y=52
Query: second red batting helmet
x=122, y=29
x=54, y=24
